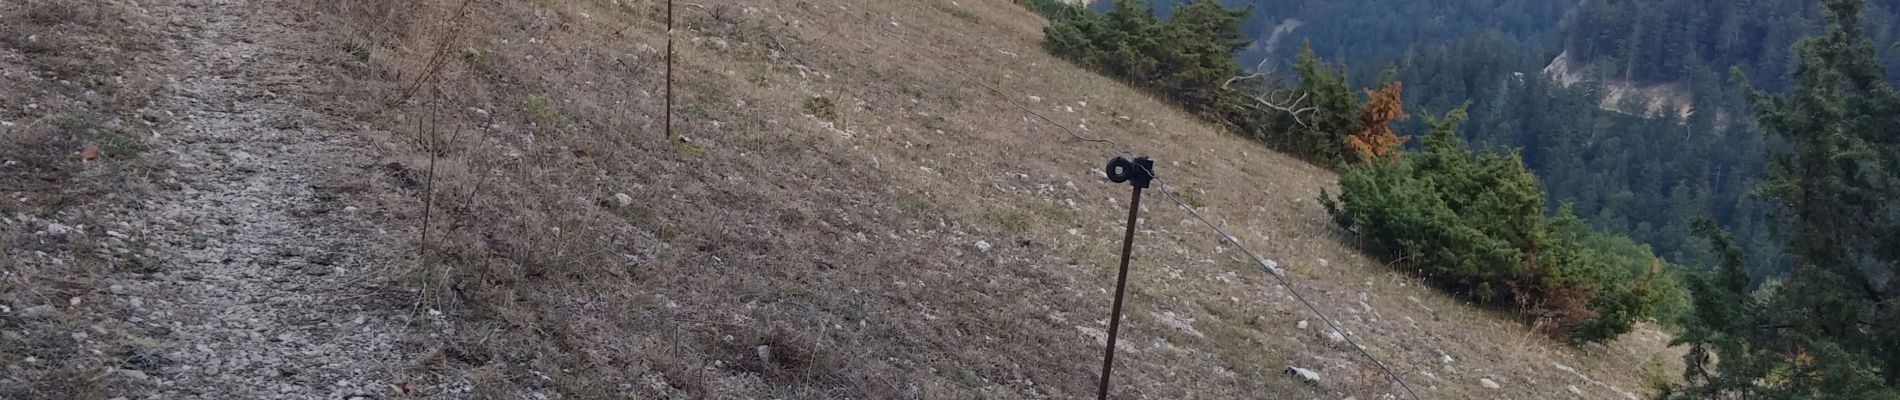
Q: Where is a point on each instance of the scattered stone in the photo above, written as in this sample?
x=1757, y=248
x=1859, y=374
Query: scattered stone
x=154, y=116
x=1574, y=390
x=1304, y=375
x=316, y=270
x=765, y=353
x=1336, y=337
x=1489, y=384
x=623, y=199
x=1301, y=325
x=40, y=311
x=1178, y=322
x=1100, y=336
x=983, y=246
x=1273, y=267
x=116, y=289
x=58, y=229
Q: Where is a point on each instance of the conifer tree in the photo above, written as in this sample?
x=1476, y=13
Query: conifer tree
x=1830, y=330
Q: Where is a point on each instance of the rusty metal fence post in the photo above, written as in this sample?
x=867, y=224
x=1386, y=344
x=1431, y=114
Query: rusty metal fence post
x=1137, y=173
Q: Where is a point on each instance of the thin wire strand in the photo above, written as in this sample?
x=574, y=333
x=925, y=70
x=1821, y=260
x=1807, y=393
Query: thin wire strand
x=1162, y=187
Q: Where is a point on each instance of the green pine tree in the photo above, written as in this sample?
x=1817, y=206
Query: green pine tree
x=1829, y=330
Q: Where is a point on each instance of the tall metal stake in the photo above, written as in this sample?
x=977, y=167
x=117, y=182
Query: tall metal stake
x=669, y=69
x=1137, y=173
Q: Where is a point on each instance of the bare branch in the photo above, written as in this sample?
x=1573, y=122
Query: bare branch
x=1291, y=108
x=1290, y=105
x=1259, y=71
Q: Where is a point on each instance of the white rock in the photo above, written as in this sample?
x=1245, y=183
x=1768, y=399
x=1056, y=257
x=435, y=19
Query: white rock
x=765, y=353
x=1574, y=390
x=1488, y=383
x=624, y=199
x=116, y=289
x=1305, y=375
x=1273, y=267
x=1301, y=325
x=983, y=246
x=1336, y=337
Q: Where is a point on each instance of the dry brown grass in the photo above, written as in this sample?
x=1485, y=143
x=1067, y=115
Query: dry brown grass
x=844, y=250
x=70, y=77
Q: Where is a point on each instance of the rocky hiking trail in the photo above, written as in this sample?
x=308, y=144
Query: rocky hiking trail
x=268, y=280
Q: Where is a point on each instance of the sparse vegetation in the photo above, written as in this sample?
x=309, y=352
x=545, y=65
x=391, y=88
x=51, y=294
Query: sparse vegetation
x=74, y=77
x=821, y=107
x=771, y=258
x=1009, y=219
x=478, y=59
x=958, y=12
x=541, y=111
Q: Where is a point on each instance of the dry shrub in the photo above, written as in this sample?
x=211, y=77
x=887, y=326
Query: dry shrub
x=1377, y=142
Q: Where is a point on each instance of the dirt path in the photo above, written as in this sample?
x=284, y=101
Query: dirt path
x=269, y=274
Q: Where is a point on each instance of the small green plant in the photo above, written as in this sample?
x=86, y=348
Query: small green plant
x=120, y=147
x=687, y=148
x=919, y=206
x=804, y=5
x=1192, y=198
x=478, y=59
x=541, y=111
x=1010, y=220
x=822, y=107
x=1657, y=374
x=1053, y=212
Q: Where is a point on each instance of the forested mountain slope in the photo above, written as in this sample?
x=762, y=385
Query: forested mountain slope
x=1643, y=134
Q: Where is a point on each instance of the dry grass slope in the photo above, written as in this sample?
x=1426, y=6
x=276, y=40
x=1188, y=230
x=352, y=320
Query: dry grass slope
x=74, y=79
x=784, y=246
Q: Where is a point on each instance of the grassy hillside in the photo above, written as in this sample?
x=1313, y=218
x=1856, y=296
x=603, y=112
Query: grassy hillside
x=813, y=231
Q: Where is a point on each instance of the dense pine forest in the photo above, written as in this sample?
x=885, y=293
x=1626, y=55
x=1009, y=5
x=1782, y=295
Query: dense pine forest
x=1725, y=167
x=1646, y=132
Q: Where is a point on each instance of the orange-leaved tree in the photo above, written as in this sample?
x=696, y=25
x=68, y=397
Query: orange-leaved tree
x=1377, y=142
